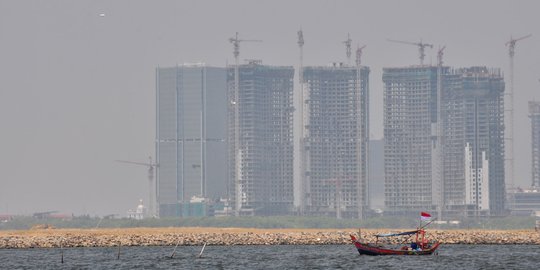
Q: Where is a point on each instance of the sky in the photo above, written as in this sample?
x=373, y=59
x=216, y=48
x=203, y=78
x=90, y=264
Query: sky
x=77, y=78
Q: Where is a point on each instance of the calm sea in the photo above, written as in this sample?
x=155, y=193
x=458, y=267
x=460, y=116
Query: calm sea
x=270, y=257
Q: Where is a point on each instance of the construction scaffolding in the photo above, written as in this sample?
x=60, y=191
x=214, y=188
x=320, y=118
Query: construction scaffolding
x=534, y=114
x=409, y=113
x=336, y=144
x=474, y=126
x=261, y=157
x=459, y=112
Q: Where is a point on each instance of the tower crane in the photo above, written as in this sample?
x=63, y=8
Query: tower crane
x=510, y=131
x=421, y=47
x=236, y=44
x=234, y=102
x=348, y=48
x=301, y=186
x=365, y=137
x=438, y=150
x=359, y=55
x=151, y=166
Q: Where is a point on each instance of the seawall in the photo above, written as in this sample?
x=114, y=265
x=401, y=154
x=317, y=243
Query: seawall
x=50, y=238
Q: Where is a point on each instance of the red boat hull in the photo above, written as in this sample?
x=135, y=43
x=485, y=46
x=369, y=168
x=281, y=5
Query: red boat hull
x=367, y=249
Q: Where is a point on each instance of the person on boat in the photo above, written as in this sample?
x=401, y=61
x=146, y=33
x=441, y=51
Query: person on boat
x=414, y=246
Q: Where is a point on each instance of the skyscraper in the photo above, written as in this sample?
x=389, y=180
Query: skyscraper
x=336, y=140
x=534, y=114
x=473, y=110
x=191, y=135
x=410, y=111
x=472, y=163
x=261, y=139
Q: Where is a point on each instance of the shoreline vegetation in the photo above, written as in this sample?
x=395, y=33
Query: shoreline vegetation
x=199, y=236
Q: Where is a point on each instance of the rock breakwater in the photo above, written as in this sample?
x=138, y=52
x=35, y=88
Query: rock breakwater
x=51, y=238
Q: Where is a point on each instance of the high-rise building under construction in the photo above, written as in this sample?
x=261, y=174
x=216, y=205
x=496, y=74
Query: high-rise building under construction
x=191, y=133
x=471, y=164
x=410, y=111
x=473, y=110
x=336, y=138
x=534, y=114
x=261, y=139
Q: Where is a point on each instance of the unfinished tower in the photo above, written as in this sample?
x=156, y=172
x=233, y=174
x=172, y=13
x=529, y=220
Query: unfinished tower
x=336, y=140
x=474, y=132
x=471, y=119
x=261, y=161
x=534, y=114
x=410, y=110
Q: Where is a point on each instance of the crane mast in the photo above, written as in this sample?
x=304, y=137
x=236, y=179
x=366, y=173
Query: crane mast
x=364, y=200
x=151, y=166
x=510, y=131
x=348, y=48
x=301, y=184
x=235, y=103
x=439, y=153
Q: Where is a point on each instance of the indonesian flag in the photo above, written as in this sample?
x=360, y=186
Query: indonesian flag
x=425, y=216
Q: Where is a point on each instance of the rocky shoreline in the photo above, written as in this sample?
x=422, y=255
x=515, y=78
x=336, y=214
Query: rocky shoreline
x=51, y=238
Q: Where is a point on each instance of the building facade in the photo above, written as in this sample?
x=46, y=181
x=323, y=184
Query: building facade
x=467, y=177
x=261, y=139
x=191, y=135
x=534, y=115
x=336, y=140
x=410, y=110
x=473, y=110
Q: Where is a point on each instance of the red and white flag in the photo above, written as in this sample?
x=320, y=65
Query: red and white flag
x=424, y=216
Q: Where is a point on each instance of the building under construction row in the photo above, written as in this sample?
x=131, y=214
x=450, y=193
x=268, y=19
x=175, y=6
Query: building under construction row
x=261, y=145
x=228, y=133
x=444, y=144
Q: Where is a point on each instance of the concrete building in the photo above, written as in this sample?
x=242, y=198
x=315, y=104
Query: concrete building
x=473, y=117
x=467, y=177
x=191, y=135
x=534, y=114
x=261, y=139
x=336, y=140
x=410, y=110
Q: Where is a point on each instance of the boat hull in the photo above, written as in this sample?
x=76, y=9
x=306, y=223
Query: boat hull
x=367, y=249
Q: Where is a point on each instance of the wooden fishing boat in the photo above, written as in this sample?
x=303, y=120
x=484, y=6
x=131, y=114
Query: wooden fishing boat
x=419, y=246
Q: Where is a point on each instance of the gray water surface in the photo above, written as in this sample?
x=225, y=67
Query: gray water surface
x=271, y=257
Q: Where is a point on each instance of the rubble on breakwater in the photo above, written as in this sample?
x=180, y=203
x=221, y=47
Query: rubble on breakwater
x=50, y=238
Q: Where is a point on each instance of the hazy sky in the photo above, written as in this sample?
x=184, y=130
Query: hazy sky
x=77, y=90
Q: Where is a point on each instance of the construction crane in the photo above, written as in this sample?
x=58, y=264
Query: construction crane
x=238, y=174
x=438, y=150
x=300, y=195
x=421, y=47
x=151, y=166
x=348, y=48
x=510, y=131
x=359, y=55
x=365, y=137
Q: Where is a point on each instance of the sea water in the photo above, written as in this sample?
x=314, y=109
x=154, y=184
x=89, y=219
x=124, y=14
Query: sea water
x=269, y=257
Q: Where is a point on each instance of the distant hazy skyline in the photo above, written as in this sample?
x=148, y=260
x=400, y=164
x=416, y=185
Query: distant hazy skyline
x=77, y=78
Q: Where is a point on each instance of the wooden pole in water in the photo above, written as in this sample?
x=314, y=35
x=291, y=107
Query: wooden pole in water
x=174, y=251
x=118, y=254
x=61, y=252
x=200, y=254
